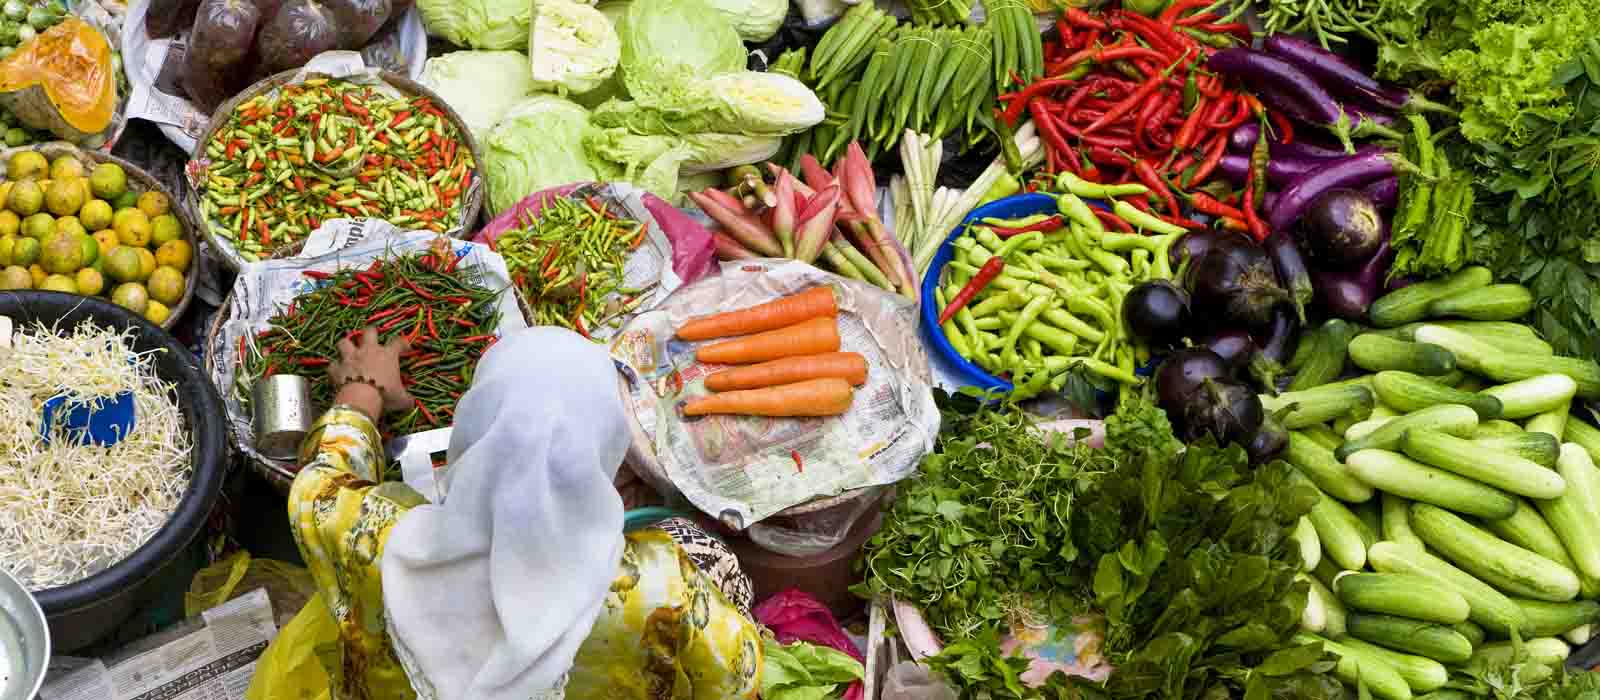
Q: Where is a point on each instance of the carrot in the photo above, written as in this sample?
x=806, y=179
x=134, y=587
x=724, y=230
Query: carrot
x=778, y=313
x=848, y=366
x=829, y=396
x=817, y=335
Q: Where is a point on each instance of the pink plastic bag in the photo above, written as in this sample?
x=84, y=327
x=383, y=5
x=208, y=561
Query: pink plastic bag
x=693, y=251
x=796, y=616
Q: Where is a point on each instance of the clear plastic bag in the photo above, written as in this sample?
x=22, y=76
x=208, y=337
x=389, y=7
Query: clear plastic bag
x=168, y=17
x=216, y=65
x=299, y=30
x=358, y=20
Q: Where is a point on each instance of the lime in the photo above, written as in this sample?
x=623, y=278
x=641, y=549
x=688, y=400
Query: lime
x=25, y=198
x=15, y=277
x=10, y=223
x=166, y=285
x=90, y=282
x=96, y=214
x=91, y=248
x=59, y=283
x=16, y=137
x=122, y=264
x=131, y=296
x=133, y=228
x=66, y=168
x=154, y=204
x=157, y=312
x=25, y=251
x=62, y=254
x=127, y=200
x=27, y=165
x=64, y=198
x=108, y=181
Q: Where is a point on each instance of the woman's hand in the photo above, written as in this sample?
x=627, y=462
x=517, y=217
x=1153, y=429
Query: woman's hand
x=368, y=374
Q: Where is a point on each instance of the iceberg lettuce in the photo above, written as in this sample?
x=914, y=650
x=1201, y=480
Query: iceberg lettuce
x=537, y=145
x=668, y=41
x=572, y=47
x=481, y=86
x=479, y=24
x=743, y=102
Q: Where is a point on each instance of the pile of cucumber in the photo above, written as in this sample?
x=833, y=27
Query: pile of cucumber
x=1460, y=493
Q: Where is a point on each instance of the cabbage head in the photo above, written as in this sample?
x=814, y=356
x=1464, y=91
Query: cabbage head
x=744, y=102
x=698, y=152
x=480, y=85
x=668, y=41
x=537, y=145
x=479, y=24
x=573, y=47
x=755, y=20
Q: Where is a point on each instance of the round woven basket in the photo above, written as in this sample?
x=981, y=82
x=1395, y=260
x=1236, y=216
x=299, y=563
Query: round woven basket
x=471, y=202
x=140, y=182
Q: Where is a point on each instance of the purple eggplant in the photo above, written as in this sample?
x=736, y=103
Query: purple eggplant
x=1344, y=79
x=1268, y=201
x=1270, y=440
x=1157, y=313
x=1292, y=271
x=1233, y=345
x=1243, y=140
x=1182, y=373
x=1355, y=171
x=1385, y=193
x=1347, y=293
x=1196, y=244
x=1343, y=228
x=1281, y=172
x=1235, y=283
x=1350, y=123
x=1272, y=350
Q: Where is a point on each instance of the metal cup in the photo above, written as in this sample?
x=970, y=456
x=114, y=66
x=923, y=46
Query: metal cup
x=283, y=415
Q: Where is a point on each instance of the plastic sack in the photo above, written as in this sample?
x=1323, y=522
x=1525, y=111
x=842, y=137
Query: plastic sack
x=288, y=586
x=806, y=533
x=693, y=250
x=168, y=17
x=293, y=666
x=296, y=33
x=215, y=67
x=358, y=20
x=664, y=623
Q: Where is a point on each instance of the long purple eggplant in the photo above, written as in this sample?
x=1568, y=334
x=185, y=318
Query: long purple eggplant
x=1293, y=91
x=1354, y=172
x=1281, y=172
x=1291, y=267
x=1352, y=123
x=1243, y=140
x=1340, y=77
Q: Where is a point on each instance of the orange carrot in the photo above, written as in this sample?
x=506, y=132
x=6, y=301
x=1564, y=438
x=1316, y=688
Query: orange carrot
x=829, y=396
x=849, y=366
x=812, y=337
x=812, y=303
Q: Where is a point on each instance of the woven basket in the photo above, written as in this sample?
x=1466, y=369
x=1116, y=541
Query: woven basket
x=140, y=182
x=471, y=201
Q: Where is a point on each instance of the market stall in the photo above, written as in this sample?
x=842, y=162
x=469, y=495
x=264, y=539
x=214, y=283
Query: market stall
x=1005, y=349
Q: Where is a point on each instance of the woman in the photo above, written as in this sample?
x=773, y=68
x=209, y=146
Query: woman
x=520, y=583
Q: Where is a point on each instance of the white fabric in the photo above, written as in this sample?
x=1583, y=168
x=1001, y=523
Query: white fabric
x=492, y=592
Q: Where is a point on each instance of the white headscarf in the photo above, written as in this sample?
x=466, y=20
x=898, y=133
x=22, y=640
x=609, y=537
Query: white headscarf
x=489, y=594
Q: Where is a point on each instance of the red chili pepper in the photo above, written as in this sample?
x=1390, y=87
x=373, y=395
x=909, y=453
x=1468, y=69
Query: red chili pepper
x=1112, y=220
x=1079, y=18
x=433, y=333
x=1258, y=230
x=1151, y=104
x=799, y=464
x=1219, y=144
x=1206, y=204
x=986, y=274
x=479, y=338
x=1284, y=126
x=382, y=314
x=1049, y=223
x=1186, y=133
x=1196, y=19
x=1176, y=9
x=1048, y=131
x=465, y=323
x=316, y=274
x=1021, y=99
x=425, y=413
x=1158, y=186
x=314, y=362
x=1130, y=102
x=420, y=291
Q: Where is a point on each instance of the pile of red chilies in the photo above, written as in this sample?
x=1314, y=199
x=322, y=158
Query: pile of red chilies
x=1127, y=99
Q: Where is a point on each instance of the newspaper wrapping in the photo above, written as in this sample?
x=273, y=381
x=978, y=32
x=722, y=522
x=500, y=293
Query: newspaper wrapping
x=742, y=469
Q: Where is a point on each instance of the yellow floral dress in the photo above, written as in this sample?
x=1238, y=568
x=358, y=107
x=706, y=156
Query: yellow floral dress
x=665, y=627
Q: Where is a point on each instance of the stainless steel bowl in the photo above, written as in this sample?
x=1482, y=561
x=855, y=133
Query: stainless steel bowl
x=24, y=641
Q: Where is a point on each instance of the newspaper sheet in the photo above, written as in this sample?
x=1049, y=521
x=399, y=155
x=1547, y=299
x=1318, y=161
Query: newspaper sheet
x=742, y=469
x=263, y=289
x=155, y=65
x=210, y=657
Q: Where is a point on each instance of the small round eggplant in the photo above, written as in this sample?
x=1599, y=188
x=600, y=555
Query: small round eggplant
x=1183, y=372
x=1226, y=410
x=1270, y=440
x=1237, y=279
x=1233, y=345
x=1347, y=293
x=1157, y=312
x=1342, y=229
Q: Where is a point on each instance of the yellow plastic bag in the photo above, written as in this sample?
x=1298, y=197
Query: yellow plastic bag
x=666, y=632
x=289, y=587
x=293, y=666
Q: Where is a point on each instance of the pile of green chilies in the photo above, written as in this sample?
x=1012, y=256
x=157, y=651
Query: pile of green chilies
x=447, y=314
x=569, y=261
x=329, y=149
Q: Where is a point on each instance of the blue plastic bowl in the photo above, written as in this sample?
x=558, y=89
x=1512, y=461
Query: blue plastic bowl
x=1009, y=208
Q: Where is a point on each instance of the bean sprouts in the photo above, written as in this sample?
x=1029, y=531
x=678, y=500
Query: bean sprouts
x=70, y=511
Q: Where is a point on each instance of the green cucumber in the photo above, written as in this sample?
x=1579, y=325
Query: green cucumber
x=1335, y=617
x=1357, y=666
x=1398, y=474
x=1310, y=546
x=1396, y=512
x=1496, y=428
x=1584, y=435
x=1325, y=361
x=1546, y=619
x=1324, y=470
x=1490, y=608
x=1529, y=530
x=1471, y=631
x=1369, y=514
x=1320, y=405
x=1575, y=514
x=1383, y=410
x=1366, y=427
x=1454, y=419
x=1532, y=396
x=1409, y=392
x=1552, y=422
x=1496, y=302
x=1375, y=353
x=1503, y=565
x=1314, y=618
x=1427, y=639
x=1501, y=366
x=1403, y=595
x=1541, y=448
x=1509, y=337
x=1548, y=650
x=1344, y=537
x=1502, y=470
x=1421, y=673
x=1403, y=306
